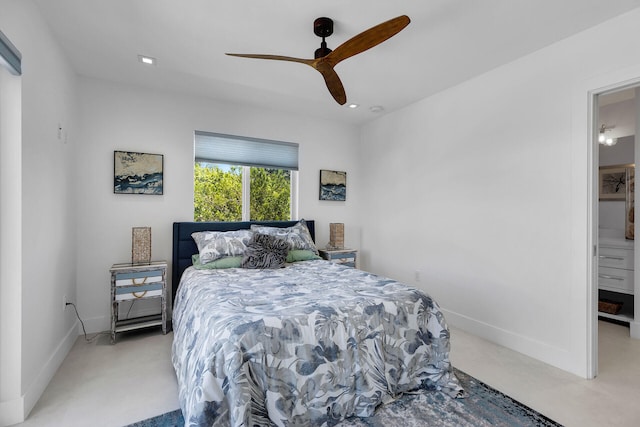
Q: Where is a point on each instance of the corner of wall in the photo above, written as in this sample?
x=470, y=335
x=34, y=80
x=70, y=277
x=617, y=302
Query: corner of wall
x=11, y=412
x=38, y=386
x=555, y=356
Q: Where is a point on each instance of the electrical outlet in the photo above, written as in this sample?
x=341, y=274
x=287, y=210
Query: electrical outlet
x=417, y=275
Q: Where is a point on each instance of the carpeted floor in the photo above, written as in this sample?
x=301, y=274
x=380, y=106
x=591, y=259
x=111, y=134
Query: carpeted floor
x=482, y=406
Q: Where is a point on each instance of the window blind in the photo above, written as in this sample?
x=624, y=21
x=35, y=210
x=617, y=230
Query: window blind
x=236, y=150
x=10, y=57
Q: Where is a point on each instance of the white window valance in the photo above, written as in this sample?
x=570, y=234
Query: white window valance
x=236, y=150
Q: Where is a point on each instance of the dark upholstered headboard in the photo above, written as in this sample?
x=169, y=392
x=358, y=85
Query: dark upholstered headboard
x=184, y=245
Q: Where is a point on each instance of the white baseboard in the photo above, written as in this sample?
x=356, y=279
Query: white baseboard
x=554, y=356
x=37, y=387
x=634, y=329
x=12, y=412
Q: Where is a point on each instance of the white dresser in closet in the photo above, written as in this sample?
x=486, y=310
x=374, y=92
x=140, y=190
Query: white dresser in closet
x=615, y=274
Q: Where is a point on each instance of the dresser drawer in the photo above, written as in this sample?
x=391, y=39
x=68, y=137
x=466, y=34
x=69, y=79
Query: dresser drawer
x=138, y=278
x=615, y=279
x=124, y=293
x=616, y=258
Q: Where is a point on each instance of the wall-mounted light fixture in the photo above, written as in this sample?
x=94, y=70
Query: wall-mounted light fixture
x=605, y=139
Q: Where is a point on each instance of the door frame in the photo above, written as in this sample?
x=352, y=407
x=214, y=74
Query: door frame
x=608, y=83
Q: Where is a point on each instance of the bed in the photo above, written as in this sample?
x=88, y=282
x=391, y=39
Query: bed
x=311, y=343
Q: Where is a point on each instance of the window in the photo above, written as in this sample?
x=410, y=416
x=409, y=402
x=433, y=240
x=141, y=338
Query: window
x=242, y=179
x=10, y=57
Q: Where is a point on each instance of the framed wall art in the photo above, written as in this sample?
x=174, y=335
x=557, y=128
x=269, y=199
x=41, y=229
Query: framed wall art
x=137, y=173
x=612, y=182
x=333, y=185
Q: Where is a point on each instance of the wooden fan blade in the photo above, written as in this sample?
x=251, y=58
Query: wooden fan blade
x=368, y=39
x=355, y=45
x=333, y=83
x=275, y=58
x=326, y=69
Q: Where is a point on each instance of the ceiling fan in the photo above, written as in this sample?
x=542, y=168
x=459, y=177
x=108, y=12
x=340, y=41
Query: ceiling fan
x=326, y=59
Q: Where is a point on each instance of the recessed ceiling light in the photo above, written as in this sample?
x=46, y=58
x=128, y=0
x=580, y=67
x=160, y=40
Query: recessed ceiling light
x=376, y=109
x=147, y=60
x=353, y=105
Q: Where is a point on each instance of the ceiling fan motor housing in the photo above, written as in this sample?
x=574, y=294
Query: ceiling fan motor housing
x=322, y=27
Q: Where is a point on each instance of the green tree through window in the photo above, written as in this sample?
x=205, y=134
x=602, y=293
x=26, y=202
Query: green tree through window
x=218, y=193
x=270, y=194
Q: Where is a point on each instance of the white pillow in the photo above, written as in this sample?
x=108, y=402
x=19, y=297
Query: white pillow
x=213, y=245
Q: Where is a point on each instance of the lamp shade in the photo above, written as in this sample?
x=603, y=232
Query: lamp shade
x=336, y=235
x=141, y=245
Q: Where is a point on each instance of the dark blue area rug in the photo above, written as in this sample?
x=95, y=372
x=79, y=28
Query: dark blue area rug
x=482, y=406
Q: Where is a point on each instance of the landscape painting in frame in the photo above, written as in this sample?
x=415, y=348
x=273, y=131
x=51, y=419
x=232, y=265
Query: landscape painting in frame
x=333, y=185
x=613, y=182
x=137, y=173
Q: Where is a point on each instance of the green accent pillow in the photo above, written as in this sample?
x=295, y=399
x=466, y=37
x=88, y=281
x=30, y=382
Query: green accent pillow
x=226, y=262
x=301, y=255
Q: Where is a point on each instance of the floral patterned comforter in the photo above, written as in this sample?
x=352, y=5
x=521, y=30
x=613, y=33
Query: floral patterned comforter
x=309, y=344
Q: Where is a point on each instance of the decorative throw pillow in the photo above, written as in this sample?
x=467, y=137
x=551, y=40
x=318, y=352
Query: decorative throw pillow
x=226, y=262
x=213, y=245
x=301, y=255
x=265, y=251
x=297, y=236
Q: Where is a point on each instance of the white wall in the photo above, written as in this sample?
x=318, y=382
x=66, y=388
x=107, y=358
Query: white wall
x=48, y=211
x=494, y=177
x=619, y=118
x=11, y=403
x=117, y=117
x=620, y=154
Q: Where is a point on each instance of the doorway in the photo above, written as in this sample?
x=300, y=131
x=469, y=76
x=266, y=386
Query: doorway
x=615, y=123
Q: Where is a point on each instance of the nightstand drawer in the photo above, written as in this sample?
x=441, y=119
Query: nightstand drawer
x=124, y=293
x=138, y=278
x=616, y=258
x=615, y=279
x=131, y=282
x=345, y=257
x=348, y=261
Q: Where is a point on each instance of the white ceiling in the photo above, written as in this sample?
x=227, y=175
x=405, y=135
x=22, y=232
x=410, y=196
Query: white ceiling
x=447, y=42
